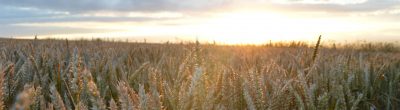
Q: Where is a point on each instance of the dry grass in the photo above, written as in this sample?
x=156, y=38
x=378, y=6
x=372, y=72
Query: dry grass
x=109, y=75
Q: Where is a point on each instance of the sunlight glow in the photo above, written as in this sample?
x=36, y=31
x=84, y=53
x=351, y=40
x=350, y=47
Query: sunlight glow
x=239, y=27
x=260, y=27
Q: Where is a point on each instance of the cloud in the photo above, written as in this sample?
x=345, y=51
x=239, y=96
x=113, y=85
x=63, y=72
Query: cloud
x=21, y=12
x=77, y=6
x=11, y=9
x=330, y=6
x=339, y=2
x=78, y=18
x=90, y=6
x=16, y=15
x=388, y=13
x=13, y=30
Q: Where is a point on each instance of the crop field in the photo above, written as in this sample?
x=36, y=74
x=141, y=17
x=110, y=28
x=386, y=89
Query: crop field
x=105, y=75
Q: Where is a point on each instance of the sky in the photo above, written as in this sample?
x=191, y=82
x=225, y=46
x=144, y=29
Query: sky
x=225, y=21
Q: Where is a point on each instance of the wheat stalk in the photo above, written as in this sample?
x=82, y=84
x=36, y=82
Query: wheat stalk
x=56, y=98
x=316, y=48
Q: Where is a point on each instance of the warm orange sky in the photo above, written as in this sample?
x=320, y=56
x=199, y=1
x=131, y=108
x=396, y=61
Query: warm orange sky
x=227, y=21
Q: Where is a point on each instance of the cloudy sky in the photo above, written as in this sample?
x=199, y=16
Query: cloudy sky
x=229, y=21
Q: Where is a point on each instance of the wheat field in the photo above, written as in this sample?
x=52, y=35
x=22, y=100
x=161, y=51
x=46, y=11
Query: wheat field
x=100, y=75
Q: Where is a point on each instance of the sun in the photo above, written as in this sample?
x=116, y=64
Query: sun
x=245, y=27
x=259, y=27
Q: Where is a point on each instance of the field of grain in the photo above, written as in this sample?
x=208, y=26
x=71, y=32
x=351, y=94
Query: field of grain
x=64, y=75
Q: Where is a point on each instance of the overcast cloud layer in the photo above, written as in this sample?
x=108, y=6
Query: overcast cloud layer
x=17, y=12
x=82, y=6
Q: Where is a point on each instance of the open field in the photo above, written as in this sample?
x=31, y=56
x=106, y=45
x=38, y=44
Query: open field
x=63, y=75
